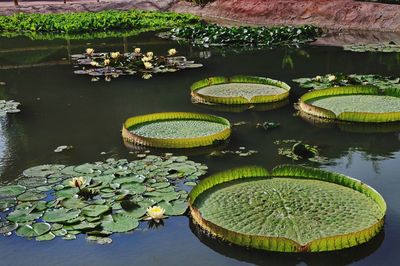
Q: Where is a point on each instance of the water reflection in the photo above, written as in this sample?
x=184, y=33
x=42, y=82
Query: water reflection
x=261, y=257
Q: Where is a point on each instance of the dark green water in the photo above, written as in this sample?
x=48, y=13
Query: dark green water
x=60, y=108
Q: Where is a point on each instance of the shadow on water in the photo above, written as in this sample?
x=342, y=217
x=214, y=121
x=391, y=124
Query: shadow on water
x=261, y=257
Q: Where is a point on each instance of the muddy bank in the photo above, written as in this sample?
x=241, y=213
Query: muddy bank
x=329, y=14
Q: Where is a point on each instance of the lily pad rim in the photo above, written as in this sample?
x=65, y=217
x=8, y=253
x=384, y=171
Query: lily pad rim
x=283, y=244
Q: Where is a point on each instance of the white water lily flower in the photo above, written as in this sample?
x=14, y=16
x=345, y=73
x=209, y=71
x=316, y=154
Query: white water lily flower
x=172, y=52
x=318, y=78
x=150, y=55
x=115, y=55
x=107, y=78
x=94, y=63
x=106, y=62
x=137, y=50
x=147, y=65
x=147, y=76
x=331, y=77
x=156, y=213
x=77, y=182
x=89, y=51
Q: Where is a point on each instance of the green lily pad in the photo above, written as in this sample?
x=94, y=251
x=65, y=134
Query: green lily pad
x=31, y=196
x=131, y=178
x=60, y=215
x=60, y=232
x=174, y=207
x=11, y=191
x=46, y=237
x=7, y=227
x=69, y=237
x=24, y=215
x=43, y=170
x=34, y=230
x=134, y=187
x=66, y=192
x=95, y=210
x=120, y=223
x=73, y=203
x=32, y=181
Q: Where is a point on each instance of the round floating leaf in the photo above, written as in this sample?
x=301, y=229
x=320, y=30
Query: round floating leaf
x=176, y=130
x=43, y=170
x=69, y=237
x=23, y=215
x=120, y=223
x=7, y=227
x=11, y=191
x=46, y=237
x=32, y=181
x=297, y=209
x=174, y=207
x=353, y=104
x=66, y=192
x=95, y=210
x=37, y=229
x=31, y=196
x=134, y=187
x=60, y=232
x=7, y=203
x=73, y=203
x=60, y=215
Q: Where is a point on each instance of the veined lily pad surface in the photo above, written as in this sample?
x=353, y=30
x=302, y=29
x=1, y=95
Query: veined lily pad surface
x=239, y=90
x=96, y=199
x=176, y=130
x=353, y=104
x=295, y=209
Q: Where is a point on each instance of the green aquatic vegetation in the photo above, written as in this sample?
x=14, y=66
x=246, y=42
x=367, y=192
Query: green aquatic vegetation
x=215, y=35
x=367, y=104
x=115, y=64
x=94, y=21
x=96, y=199
x=8, y=107
x=177, y=129
x=268, y=125
x=293, y=209
x=356, y=103
x=387, y=47
x=340, y=79
x=244, y=90
x=239, y=90
x=298, y=150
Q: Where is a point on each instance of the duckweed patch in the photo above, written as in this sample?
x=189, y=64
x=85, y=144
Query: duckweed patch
x=109, y=197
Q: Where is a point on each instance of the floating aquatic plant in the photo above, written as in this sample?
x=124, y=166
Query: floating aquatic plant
x=386, y=47
x=216, y=35
x=353, y=104
x=96, y=199
x=293, y=209
x=239, y=90
x=340, y=79
x=176, y=130
x=298, y=150
x=268, y=125
x=115, y=64
x=8, y=107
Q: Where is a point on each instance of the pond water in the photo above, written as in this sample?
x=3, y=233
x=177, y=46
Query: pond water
x=61, y=108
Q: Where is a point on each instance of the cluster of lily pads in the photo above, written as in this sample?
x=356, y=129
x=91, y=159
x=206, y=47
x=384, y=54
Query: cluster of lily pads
x=96, y=199
x=340, y=79
x=8, y=107
x=386, y=47
x=114, y=64
x=216, y=35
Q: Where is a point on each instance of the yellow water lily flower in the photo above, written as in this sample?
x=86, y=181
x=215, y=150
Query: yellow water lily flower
x=137, y=50
x=331, y=77
x=145, y=59
x=89, y=51
x=318, y=78
x=106, y=62
x=147, y=65
x=94, y=63
x=172, y=52
x=156, y=213
x=115, y=55
x=77, y=182
x=150, y=55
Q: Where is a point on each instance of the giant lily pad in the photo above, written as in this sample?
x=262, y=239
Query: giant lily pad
x=353, y=104
x=295, y=209
x=175, y=130
x=239, y=90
